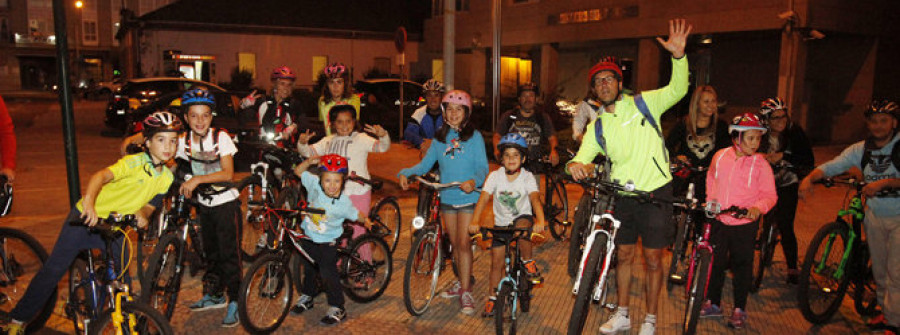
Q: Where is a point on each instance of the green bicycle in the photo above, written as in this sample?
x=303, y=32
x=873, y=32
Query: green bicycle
x=838, y=259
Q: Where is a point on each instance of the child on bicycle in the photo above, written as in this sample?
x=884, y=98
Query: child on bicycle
x=136, y=184
x=460, y=153
x=738, y=176
x=516, y=202
x=210, y=154
x=878, y=157
x=326, y=192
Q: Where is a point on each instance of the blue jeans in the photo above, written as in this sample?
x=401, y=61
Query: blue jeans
x=71, y=241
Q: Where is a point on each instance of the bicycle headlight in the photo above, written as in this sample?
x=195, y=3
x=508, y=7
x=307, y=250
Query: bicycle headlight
x=418, y=222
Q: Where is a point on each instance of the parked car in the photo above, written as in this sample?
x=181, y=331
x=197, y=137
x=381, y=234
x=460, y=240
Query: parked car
x=135, y=93
x=380, y=102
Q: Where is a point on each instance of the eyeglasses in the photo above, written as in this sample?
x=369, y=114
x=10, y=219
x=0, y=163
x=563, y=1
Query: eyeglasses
x=604, y=80
x=777, y=118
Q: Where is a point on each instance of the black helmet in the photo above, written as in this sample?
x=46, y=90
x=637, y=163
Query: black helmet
x=883, y=107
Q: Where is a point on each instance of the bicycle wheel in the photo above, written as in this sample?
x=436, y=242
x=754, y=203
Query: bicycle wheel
x=149, y=238
x=525, y=295
x=677, y=265
x=821, y=289
x=79, y=304
x=367, y=268
x=505, y=309
x=160, y=289
x=579, y=230
x=763, y=257
x=423, y=269
x=556, y=210
x=589, y=279
x=255, y=240
x=386, y=214
x=697, y=292
x=265, y=295
x=145, y=319
x=865, y=299
x=21, y=257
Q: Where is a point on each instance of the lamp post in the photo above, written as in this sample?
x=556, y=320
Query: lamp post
x=79, y=26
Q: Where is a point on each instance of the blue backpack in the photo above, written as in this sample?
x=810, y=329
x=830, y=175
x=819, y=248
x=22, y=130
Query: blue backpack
x=645, y=111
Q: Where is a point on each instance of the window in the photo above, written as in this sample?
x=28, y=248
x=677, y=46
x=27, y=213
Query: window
x=383, y=64
x=247, y=62
x=437, y=7
x=89, y=32
x=5, y=35
x=318, y=64
x=114, y=19
x=437, y=69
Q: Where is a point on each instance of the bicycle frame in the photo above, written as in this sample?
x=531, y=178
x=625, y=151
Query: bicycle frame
x=856, y=212
x=610, y=232
x=701, y=244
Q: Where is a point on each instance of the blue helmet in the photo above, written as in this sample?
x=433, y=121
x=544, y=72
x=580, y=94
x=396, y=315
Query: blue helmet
x=513, y=140
x=198, y=96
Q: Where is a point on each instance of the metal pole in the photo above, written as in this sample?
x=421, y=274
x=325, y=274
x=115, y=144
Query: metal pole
x=65, y=100
x=449, y=42
x=495, y=58
x=402, y=60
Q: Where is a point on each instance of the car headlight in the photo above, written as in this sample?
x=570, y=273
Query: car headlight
x=418, y=222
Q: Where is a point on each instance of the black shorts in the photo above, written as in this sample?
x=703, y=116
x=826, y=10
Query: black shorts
x=499, y=239
x=650, y=221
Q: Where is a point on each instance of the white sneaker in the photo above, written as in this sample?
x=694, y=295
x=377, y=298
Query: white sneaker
x=648, y=328
x=616, y=323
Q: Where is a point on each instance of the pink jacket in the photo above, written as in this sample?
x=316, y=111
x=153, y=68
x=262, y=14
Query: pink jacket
x=744, y=182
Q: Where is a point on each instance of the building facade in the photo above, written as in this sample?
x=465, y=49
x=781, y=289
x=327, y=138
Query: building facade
x=827, y=58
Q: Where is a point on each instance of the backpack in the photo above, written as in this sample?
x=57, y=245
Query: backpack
x=645, y=111
x=867, y=155
x=187, y=146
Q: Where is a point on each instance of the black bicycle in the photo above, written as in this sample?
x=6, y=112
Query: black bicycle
x=22, y=257
x=556, y=200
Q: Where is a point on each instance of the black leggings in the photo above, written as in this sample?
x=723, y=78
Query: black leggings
x=221, y=230
x=783, y=214
x=325, y=255
x=734, y=248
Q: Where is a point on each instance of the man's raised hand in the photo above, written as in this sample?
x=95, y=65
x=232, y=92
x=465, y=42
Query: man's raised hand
x=679, y=30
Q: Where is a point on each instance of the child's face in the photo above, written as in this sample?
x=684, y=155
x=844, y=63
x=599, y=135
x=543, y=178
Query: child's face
x=343, y=123
x=162, y=146
x=512, y=159
x=750, y=141
x=336, y=86
x=455, y=115
x=199, y=117
x=331, y=183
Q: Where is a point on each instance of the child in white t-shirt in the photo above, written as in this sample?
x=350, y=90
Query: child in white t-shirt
x=516, y=202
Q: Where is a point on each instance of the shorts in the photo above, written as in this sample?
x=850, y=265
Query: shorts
x=650, y=221
x=455, y=209
x=499, y=239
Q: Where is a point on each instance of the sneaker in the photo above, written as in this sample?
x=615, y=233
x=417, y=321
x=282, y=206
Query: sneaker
x=877, y=323
x=648, y=328
x=709, y=310
x=303, y=304
x=616, y=323
x=13, y=328
x=738, y=319
x=209, y=302
x=231, y=315
x=335, y=315
x=467, y=302
x=532, y=271
x=890, y=330
x=489, y=307
x=793, y=276
x=454, y=291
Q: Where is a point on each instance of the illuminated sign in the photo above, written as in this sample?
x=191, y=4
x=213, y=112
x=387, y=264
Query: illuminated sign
x=594, y=15
x=193, y=57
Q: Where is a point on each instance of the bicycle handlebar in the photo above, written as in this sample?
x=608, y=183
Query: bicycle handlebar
x=437, y=186
x=376, y=184
x=108, y=225
x=856, y=184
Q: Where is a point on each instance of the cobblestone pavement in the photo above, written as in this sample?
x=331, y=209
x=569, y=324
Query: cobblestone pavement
x=41, y=207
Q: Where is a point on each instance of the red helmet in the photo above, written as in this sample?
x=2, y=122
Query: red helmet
x=283, y=72
x=333, y=163
x=745, y=122
x=605, y=64
x=335, y=70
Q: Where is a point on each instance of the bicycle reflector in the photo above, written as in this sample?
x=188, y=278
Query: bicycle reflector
x=418, y=222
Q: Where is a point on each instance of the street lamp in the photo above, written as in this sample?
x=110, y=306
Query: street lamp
x=78, y=5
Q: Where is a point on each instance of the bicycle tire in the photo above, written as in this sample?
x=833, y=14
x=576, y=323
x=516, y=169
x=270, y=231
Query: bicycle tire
x=865, y=299
x=505, y=309
x=426, y=252
x=386, y=214
x=589, y=279
x=78, y=307
x=525, y=295
x=20, y=264
x=805, y=286
x=273, y=267
x=697, y=291
x=761, y=256
x=148, y=316
x=355, y=269
x=556, y=210
x=679, y=252
x=579, y=227
x=164, y=265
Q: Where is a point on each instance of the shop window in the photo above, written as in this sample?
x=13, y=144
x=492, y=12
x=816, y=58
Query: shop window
x=437, y=69
x=318, y=64
x=247, y=62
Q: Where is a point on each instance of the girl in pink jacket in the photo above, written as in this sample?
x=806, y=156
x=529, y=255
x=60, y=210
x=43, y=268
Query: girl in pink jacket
x=738, y=176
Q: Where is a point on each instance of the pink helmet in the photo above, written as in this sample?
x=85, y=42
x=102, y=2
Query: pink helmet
x=335, y=70
x=283, y=72
x=458, y=97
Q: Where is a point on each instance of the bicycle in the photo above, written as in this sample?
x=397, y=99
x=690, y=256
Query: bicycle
x=583, y=213
x=514, y=289
x=181, y=243
x=701, y=262
x=768, y=239
x=93, y=286
x=271, y=277
x=685, y=227
x=385, y=215
x=556, y=209
x=838, y=258
x=430, y=251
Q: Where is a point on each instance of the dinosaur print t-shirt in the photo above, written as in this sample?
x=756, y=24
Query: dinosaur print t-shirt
x=510, y=197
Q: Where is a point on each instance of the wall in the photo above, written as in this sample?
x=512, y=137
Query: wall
x=294, y=51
